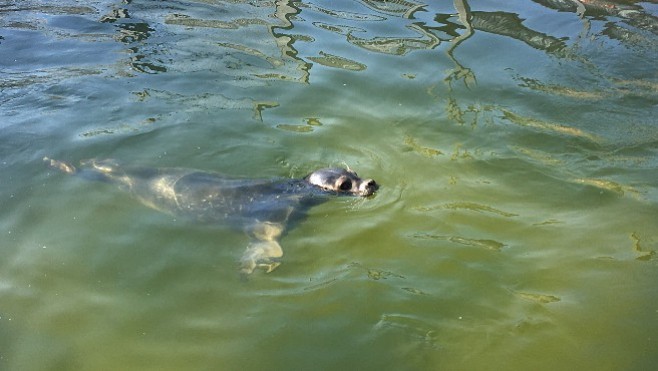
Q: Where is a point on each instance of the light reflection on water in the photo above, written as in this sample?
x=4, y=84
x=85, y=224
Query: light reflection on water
x=515, y=145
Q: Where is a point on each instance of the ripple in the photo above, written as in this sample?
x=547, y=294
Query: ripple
x=339, y=29
x=399, y=8
x=424, y=151
x=417, y=329
x=535, y=123
x=565, y=91
x=538, y=298
x=374, y=273
x=335, y=61
x=610, y=186
x=487, y=244
x=310, y=124
x=642, y=252
x=185, y=20
x=470, y=206
x=340, y=14
x=295, y=128
x=397, y=45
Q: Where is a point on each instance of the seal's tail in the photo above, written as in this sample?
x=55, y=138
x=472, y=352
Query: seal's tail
x=99, y=170
x=60, y=165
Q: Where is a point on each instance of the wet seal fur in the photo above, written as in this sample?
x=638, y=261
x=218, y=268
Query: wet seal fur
x=263, y=208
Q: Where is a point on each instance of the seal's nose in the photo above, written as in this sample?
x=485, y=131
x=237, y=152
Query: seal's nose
x=369, y=187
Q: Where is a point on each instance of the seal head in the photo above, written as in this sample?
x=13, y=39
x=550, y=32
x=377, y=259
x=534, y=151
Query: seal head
x=342, y=181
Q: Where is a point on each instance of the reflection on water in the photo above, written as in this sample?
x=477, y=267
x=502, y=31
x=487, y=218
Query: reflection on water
x=515, y=144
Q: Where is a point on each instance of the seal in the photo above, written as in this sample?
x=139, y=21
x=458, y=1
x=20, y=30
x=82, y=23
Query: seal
x=263, y=208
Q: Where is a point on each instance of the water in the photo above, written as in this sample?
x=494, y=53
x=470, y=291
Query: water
x=516, y=144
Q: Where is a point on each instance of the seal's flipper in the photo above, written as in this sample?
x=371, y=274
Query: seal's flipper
x=261, y=254
x=100, y=170
x=60, y=165
x=265, y=250
x=265, y=231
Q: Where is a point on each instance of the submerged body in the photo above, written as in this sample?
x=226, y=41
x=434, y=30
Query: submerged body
x=263, y=208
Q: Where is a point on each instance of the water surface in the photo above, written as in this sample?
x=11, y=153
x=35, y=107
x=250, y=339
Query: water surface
x=516, y=144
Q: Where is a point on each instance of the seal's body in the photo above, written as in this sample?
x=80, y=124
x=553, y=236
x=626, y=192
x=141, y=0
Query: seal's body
x=263, y=208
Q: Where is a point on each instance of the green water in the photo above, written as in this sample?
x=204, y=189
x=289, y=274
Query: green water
x=516, y=144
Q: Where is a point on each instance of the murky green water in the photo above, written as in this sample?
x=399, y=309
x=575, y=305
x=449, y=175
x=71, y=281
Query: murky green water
x=516, y=144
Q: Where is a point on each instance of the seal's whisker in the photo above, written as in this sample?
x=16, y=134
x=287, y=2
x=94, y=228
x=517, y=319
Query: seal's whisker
x=347, y=166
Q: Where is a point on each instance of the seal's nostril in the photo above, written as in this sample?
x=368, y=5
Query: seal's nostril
x=371, y=186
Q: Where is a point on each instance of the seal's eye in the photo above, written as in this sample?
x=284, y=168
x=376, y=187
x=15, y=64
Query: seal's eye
x=346, y=185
